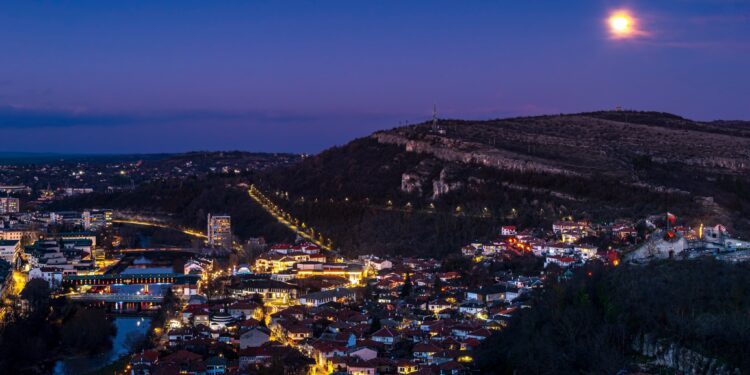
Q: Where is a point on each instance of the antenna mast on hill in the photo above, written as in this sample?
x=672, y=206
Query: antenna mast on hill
x=434, y=117
x=435, y=127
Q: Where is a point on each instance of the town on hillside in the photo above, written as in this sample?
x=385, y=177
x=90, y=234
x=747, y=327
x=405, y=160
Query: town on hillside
x=300, y=308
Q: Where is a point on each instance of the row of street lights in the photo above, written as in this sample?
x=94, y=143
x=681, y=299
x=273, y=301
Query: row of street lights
x=485, y=212
x=288, y=220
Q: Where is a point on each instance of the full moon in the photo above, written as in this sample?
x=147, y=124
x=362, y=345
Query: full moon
x=621, y=24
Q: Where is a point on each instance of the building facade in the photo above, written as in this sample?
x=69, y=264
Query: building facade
x=9, y=205
x=219, y=231
x=97, y=219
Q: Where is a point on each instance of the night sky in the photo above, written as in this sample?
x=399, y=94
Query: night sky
x=111, y=77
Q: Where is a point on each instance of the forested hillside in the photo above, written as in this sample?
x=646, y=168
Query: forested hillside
x=188, y=202
x=691, y=315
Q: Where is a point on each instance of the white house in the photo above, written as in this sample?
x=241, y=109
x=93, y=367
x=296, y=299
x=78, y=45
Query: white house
x=9, y=250
x=52, y=275
x=385, y=336
x=562, y=261
x=586, y=251
x=320, y=298
x=508, y=230
x=378, y=264
x=471, y=308
x=193, y=267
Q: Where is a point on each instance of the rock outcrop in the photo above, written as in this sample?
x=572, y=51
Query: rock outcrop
x=446, y=183
x=685, y=360
x=452, y=150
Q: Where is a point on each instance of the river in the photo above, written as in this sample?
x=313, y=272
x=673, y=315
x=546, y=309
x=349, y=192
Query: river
x=128, y=329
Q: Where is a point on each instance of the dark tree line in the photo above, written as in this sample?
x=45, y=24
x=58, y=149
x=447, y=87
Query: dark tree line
x=189, y=201
x=49, y=328
x=588, y=324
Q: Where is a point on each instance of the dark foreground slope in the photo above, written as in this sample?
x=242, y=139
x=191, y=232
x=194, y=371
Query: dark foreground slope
x=421, y=190
x=603, y=321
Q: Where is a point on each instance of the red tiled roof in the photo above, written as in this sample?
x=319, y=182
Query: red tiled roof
x=181, y=357
x=150, y=356
x=565, y=259
x=425, y=347
x=384, y=332
x=472, y=342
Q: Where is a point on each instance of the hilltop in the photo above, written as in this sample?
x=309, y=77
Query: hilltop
x=424, y=189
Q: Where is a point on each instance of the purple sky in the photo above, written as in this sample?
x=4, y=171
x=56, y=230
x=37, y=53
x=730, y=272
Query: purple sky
x=301, y=76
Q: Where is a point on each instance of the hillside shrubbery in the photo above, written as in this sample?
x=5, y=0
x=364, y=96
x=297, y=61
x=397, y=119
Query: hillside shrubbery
x=588, y=324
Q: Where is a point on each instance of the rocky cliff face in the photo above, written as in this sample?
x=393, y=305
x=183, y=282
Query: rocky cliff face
x=665, y=353
x=415, y=180
x=451, y=150
x=418, y=181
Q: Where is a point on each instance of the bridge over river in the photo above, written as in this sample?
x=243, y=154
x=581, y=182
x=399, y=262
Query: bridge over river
x=116, y=297
x=137, y=278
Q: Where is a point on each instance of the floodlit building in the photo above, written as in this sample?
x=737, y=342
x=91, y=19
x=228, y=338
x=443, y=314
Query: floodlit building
x=352, y=272
x=9, y=205
x=18, y=234
x=9, y=250
x=97, y=219
x=71, y=218
x=272, y=292
x=220, y=231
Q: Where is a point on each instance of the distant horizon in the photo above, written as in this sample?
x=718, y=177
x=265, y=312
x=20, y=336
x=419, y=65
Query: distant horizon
x=42, y=153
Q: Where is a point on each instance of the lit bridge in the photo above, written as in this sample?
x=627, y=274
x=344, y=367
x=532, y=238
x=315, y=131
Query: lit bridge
x=146, y=278
x=116, y=297
x=158, y=250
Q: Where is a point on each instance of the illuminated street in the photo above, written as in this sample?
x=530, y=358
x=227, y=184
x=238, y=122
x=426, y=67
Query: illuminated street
x=288, y=221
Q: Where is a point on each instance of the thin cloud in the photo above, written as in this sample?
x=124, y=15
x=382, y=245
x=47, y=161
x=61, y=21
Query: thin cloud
x=724, y=45
x=17, y=117
x=666, y=30
x=720, y=18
